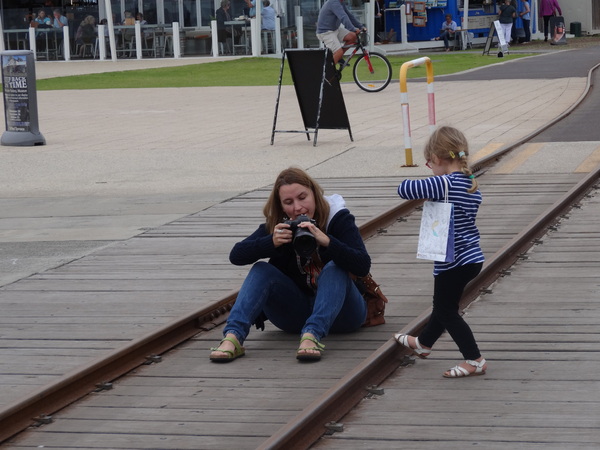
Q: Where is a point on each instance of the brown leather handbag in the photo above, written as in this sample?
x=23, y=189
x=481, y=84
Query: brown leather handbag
x=375, y=299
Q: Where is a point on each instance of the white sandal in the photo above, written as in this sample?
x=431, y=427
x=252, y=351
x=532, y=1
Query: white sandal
x=419, y=351
x=460, y=372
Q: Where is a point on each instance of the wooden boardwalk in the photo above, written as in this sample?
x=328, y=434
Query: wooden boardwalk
x=540, y=332
x=92, y=305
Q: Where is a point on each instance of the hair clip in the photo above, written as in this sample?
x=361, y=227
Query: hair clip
x=461, y=154
x=471, y=176
x=452, y=155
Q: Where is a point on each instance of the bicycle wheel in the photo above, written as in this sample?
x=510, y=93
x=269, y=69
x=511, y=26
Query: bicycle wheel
x=374, y=80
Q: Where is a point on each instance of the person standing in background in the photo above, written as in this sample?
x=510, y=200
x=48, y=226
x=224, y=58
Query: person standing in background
x=526, y=18
x=505, y=16
x=267, y=14
x=379, y=25
x=513, y=31
x=548, y=8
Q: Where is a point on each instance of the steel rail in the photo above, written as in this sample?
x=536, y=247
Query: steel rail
x=310, y=424
x=37, y=406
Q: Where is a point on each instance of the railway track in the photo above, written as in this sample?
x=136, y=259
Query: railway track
x=306, y=427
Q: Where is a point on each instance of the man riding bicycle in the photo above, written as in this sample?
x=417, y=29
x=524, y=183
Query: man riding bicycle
x=336, y=26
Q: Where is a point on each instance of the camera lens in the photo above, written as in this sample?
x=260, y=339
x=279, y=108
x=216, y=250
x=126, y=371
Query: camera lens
x=304, y=243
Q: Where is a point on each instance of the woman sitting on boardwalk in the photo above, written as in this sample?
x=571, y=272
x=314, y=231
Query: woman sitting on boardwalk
x=304, y=230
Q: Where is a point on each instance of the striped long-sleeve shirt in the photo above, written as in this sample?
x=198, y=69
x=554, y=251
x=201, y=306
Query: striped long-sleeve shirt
x=466, y=234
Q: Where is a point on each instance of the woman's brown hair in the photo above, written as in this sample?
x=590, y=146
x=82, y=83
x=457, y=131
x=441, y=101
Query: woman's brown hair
x=273, y=211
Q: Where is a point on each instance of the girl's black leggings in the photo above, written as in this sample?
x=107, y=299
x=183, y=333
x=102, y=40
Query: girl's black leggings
x=447, y=292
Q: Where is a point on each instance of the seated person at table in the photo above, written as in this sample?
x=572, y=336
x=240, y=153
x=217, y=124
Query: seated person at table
x=223, y=15
x=267, y=15
x=128, y=33
x=29, y=20
x=447, y=31
x=105, y=23
x=42, y=20
x=86, y=33
x=59, y=20
x=129, y=20
x=58, y=23
x=140, y=18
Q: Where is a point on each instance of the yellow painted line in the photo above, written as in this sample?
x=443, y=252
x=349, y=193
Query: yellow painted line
x=519, y=159
x=590, y=163
x=485, y=151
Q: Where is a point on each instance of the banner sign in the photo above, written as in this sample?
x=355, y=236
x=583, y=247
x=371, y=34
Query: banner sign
x=20, y=99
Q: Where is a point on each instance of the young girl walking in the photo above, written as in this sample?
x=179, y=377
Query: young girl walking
x=446, y=153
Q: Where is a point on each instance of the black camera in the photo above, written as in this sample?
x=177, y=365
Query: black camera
x=303, y=240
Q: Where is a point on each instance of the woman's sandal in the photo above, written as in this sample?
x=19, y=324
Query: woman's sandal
x=238, y=352
x=460, y=372
x=318, y=349
x=419, y=351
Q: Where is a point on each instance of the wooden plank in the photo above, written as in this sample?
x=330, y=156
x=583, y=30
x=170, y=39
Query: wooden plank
x=130, y=287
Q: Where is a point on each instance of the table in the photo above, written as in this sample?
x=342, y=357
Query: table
x=244, y=25
x=154, y=39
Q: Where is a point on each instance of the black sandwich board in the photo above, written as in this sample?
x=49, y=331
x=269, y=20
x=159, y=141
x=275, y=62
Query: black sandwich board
x=318, y=91
x=495, y=29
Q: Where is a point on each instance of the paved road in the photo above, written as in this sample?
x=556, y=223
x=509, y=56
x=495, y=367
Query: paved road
x=562, y=64
x=582, y=124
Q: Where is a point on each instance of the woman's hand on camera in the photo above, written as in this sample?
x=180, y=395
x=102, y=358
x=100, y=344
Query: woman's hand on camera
x=282, y=234
x=322, y=238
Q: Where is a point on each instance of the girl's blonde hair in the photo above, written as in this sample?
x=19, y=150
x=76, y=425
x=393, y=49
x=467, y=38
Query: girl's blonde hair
x=448, y=143
x=273, y=210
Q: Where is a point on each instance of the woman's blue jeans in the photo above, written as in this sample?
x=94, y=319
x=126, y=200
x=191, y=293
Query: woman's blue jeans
x=338, y=306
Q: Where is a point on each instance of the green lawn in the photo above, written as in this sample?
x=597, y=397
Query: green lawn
x=247, y=72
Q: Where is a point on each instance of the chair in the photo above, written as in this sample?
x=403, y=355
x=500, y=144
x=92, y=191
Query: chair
x=82, y=49
x=168, y=45
x=96, y=51
x=149, y=43
x=23, y=41
x=268, y=41
x=224, y=42
x=128, y=42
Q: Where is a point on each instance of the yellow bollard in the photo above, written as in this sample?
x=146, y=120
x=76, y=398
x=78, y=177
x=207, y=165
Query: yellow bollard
x=405, y=108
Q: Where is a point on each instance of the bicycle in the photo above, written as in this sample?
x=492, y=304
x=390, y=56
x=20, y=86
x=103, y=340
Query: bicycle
x=372, y=71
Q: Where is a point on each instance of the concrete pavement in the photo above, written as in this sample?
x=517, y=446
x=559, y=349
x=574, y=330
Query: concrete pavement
x=118, y=162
